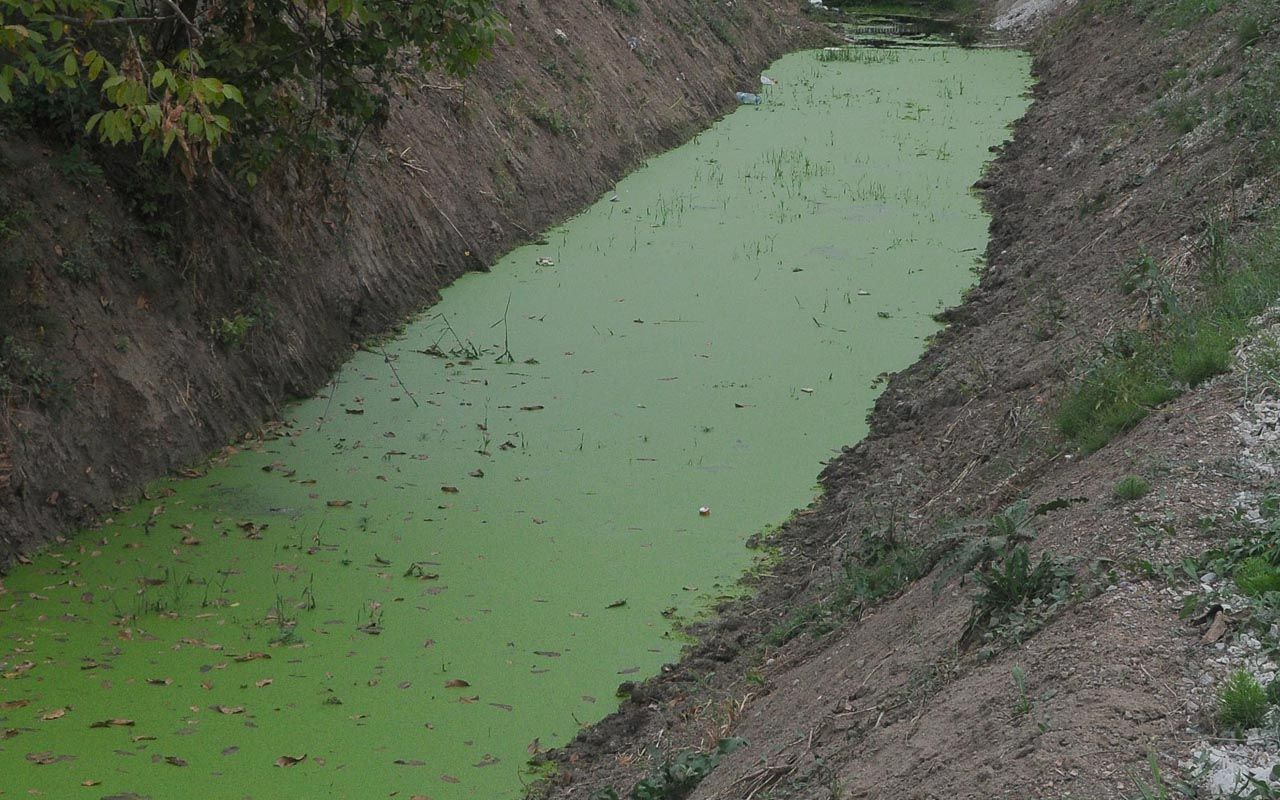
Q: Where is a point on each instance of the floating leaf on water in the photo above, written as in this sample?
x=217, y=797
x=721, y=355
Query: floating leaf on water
x=113, y=723
x=410, y=762
x=449, y=489
x=386, y=562
x=503, y=706
x=159, y=681
x=546, y=653
x=250, y=656
x=289, y=761
x=475, y=698
x=488, y=760
x=8, y=733
x=476, y=473
x=57, y=713
x=9, y=705
x=175, y=761
x=449, y=779
x=404, y=684
x=456, y=683
x=532, y=408
x=90, y=782
x=264, y=682
x=338, y=503
x=534, y=747
x=228, y=709
x=617, y=604
x=191, y=541
x=629, y=671
x=230, y=751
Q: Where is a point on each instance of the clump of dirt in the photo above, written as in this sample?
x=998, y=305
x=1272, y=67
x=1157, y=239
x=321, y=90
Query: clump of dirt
x=142, y=326
x=886, y=701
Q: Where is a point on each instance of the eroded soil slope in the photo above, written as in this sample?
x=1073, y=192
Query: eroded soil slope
x=1128, y=167
x=142, y=328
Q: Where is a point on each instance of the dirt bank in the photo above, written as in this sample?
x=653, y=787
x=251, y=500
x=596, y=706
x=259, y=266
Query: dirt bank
x=838, y=696
x=142, y=329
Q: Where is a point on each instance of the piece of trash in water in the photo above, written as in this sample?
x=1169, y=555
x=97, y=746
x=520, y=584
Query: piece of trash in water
x=765, y=80
x=613, y=199
x=806, y=390
x=863, y=293
x=748, y=99
x=546, y=262
x=705, y=511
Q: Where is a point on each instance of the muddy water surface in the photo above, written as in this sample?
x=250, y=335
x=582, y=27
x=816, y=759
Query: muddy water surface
x=455, y=554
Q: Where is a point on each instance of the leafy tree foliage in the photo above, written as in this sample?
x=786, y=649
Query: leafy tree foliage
x=180, y=77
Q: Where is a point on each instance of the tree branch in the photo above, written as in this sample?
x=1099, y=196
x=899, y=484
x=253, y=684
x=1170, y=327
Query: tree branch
x=109, y=20
x=193, y=33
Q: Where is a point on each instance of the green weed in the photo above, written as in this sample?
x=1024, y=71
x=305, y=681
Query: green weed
x=1255, y=576
x=677, y=777
x=628, y=7
x=1242, y=703
x=1138, y=371
x=1130, y=488
x=231, y=332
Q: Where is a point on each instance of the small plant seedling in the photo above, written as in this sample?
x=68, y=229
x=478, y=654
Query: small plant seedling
x=1242, y=703
x=1130, y=488
x=1021, y=706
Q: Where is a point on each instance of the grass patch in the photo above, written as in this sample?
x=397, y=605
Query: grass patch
x=1130, y=488
x=1138, y=371
x=1242, y=702
x=628, y=7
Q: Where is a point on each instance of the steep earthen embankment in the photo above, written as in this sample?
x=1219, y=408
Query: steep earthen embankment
x=841, y=693
x=142, y=329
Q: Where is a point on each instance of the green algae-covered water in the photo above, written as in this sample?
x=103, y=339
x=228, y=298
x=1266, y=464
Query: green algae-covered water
x=454, y=556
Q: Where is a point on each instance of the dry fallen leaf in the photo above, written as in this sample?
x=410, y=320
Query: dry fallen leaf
x=338, y=503
x=228, y=709
x=456, y=683
x=57, y=713
x=113, y=723
x=289, y=761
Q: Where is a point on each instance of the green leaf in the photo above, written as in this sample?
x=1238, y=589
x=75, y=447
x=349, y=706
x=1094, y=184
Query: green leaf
x=69, y=65
x=112, y=82
x=93, y=121
x=6, y=94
